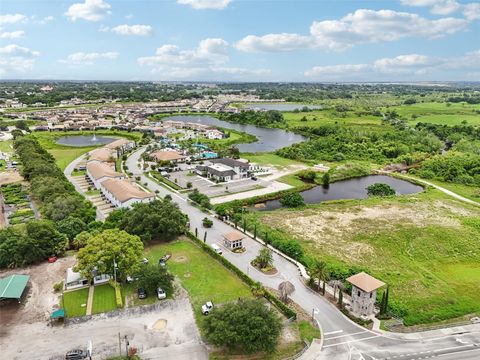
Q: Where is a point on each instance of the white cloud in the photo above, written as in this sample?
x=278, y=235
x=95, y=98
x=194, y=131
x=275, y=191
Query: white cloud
x=471, y=11
x=129, y=16
x=91, y=10
x=137, y=30
x=370, y=26
x=12, y=18
x=46, y=19
x=400, y=67
x=274, y=42
x=206, y=4
x=330, y=70
x=81, y=58
x=12, y=34
x=16, y=59
x=360, y=27
x=208, y=52
x=208, y=61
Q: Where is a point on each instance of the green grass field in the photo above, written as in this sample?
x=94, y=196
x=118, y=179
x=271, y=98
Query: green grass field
x=204, y=278
x=64, y=155
x=271, y=159
x=6, y=146
x=73, y=301
x=103, y=299
x=440, y=113
x=424, y=246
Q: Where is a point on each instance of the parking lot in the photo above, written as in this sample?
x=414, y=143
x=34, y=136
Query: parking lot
x=212, y=189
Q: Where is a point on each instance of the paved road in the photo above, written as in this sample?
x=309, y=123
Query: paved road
x=343, y=339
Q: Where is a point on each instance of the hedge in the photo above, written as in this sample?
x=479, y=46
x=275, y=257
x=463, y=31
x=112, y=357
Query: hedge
x=284, y=309
x=118, y=293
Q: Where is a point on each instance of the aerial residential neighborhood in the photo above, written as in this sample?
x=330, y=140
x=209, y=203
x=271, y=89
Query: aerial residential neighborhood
x=244, y=180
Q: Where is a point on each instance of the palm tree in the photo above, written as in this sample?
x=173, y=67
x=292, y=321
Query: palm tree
x=319, y=272
x=264, y=258
x=285, y=288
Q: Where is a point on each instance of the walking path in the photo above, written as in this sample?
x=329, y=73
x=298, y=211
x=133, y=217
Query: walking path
x=438, y=187
x=91, y=290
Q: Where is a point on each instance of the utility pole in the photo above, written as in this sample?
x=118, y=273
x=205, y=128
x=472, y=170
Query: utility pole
x=119, y=345
x=126, y=345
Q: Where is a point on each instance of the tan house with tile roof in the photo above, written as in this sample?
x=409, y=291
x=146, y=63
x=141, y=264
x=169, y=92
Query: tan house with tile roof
x=123, y=193
x=172, y=156
x=98, y=172
x=102, y=155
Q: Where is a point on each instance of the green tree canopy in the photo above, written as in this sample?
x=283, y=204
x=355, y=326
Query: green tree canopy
x=150, y=277
x=380, y=189
x=101, y=250
x=246, y=325
x=293, y=199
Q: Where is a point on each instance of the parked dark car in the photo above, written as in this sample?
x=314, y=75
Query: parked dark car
x=142, y=293
x=254, y=178
x=76, y=354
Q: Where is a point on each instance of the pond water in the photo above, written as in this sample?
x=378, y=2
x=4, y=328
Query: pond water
x=349, y=189
x=269, y=140
x=280, y=106
x=84, y=140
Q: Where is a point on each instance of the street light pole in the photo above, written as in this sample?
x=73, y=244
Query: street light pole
x=114, y=269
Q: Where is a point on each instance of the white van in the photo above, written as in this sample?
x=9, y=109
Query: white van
x=216, y=248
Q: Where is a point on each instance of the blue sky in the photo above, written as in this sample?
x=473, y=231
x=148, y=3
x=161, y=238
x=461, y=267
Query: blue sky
x=240, y=40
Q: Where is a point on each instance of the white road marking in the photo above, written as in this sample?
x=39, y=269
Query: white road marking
x=333, y=332
x=336, y=337
x=453, y=348
x=351, y=341
x=465, y=351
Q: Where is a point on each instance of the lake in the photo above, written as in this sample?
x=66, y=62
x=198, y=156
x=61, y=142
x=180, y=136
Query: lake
x=279, y=106
x=355, y=188
x=85, y=140
x=269, y=140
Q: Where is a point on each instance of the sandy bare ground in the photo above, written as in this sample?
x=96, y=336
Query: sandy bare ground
x=332, y=228
x=178, y=339
x=40, y=298
x=7, y=177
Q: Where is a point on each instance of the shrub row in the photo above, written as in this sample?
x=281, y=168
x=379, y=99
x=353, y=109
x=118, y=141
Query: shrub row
x=118, y=293
x=289, y=313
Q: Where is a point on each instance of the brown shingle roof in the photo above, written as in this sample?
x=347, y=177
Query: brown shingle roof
x=233, y=236
x=101, y=154
x=118, y=143
x=365, y=282
x=100, y=169
x=124, y=190
x=166, y=155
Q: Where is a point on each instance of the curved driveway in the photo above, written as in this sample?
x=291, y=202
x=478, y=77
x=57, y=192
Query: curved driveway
x=343, y=339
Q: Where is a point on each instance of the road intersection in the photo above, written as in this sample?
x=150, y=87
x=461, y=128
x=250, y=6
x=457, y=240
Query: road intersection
x=342, y=338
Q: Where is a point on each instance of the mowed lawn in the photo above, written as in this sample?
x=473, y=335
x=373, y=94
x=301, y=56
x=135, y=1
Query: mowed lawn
x=65, y=156
x=204, y=278
x=425, y=246
x=103, y=299
x=270, y=159
x=73, y=301
x=440, y=113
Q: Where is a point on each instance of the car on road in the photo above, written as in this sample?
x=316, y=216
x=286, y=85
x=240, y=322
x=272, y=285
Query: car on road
x=52, y=259
x=475, y=320
x=207, y=308
x=254, y=178
x=216, y=248
x=142, y=293
x=161, y=294
x=76, y=354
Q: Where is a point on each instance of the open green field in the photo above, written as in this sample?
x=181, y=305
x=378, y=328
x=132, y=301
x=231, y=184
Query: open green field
x=73, y=301
x=270, y=159
x=203, y=277
x=424, y=246
x=103, y=299
x=440, y=113
x=64, y=155
x=6, y=146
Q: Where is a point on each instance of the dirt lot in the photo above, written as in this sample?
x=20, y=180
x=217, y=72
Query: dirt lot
x=333, y=229
x=177, y=338
x=40, y=298
x=7, y=177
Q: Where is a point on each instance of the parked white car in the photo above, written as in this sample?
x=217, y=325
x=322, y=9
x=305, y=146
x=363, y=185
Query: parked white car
x=216, y=248
x=207, y=307
x=161, y=294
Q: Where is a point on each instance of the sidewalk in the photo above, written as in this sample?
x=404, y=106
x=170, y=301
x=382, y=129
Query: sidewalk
x=91, y=290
